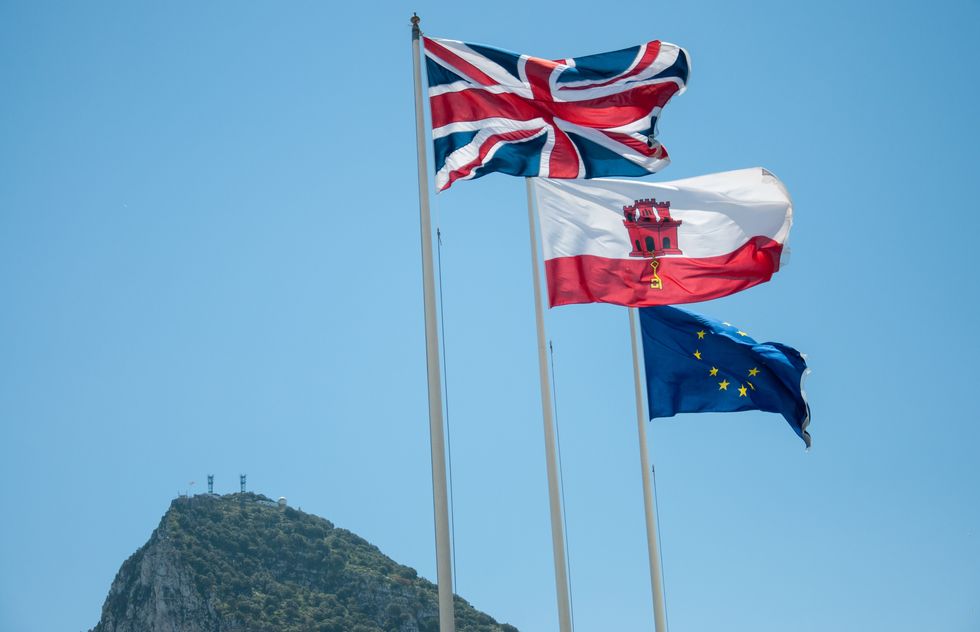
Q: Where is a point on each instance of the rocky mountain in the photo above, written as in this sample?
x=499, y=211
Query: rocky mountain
x=242, y=563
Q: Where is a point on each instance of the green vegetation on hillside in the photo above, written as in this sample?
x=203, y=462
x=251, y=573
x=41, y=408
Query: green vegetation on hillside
x=265, y=569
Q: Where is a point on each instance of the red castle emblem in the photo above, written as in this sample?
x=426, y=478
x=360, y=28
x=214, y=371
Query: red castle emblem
x=653, y=232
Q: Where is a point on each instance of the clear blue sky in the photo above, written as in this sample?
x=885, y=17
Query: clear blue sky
x=209, y=263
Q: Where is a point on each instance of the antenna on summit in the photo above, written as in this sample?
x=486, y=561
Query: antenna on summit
x=241, y=480
x=210, y=484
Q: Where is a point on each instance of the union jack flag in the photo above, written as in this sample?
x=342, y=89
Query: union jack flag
x=582, y=117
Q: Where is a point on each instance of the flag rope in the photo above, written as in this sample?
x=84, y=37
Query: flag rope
x=561, y=484
x=445, y=389
x=656, y=504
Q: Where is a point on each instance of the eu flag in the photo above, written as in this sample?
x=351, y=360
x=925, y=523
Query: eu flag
x=695, y=364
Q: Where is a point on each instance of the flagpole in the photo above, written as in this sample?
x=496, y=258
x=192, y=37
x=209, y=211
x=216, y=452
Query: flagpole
x=557, y=528
x=656, y=575
x=437, y=443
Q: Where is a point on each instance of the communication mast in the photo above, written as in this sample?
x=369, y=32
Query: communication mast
x=210, y=483
x=241, y=480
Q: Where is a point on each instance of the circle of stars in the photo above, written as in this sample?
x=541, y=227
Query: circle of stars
x=744, y=387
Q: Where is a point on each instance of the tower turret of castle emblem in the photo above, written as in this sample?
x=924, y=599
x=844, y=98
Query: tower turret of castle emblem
x=652, y=231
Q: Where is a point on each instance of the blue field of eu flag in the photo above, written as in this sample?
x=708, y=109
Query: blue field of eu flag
x=695, y=364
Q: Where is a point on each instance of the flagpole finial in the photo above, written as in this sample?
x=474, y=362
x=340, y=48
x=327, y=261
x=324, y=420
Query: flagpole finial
x=415, y=25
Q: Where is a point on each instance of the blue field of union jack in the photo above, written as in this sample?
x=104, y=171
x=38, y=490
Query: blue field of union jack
x=582, y=117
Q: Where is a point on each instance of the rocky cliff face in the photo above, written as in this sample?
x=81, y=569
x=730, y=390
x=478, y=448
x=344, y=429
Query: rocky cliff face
x=238, y=563
x=155, y=590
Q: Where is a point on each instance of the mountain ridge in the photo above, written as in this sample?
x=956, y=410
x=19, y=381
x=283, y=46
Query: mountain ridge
x=244, y=563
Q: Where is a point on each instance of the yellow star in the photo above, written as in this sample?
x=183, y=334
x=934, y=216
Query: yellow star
x=713, y=372
x=741, y=333
x=701, y=335
x=750, y=384
x=723, y=385
x=753, y=372
x=742, y=391
x=697, y=354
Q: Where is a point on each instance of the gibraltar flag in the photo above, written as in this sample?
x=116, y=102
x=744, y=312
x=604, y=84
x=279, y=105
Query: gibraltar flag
x=640, y=243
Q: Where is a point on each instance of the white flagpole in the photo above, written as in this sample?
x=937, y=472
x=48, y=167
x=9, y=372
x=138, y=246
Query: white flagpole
x=557, y=528
x=656, y=576
x=437, y=443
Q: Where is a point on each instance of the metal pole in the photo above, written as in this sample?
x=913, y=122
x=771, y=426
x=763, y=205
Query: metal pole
x=437, y=443
x=656, y=576
x=557, y=530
